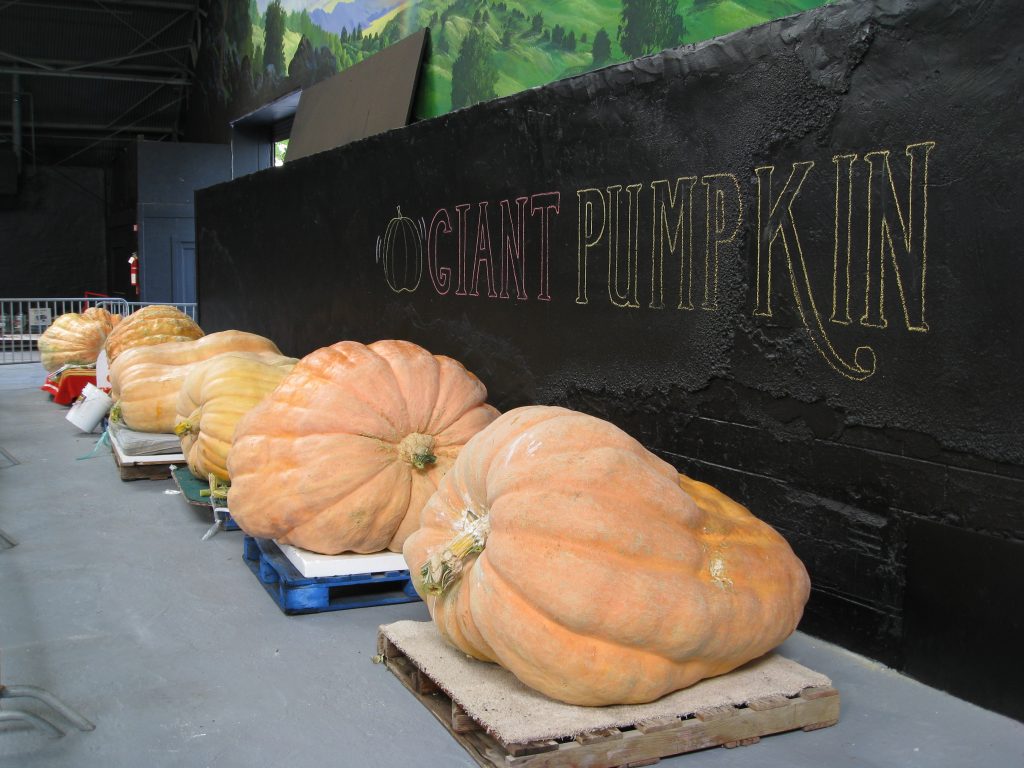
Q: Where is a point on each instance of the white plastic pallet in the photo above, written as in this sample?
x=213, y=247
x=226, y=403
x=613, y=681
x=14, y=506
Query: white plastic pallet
x=314, y=565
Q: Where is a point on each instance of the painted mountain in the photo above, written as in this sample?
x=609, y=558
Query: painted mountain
x=482, y=49
x=351, y=15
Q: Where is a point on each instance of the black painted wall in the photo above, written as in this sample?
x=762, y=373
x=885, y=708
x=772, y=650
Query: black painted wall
x=53, y=235
x=809, y=297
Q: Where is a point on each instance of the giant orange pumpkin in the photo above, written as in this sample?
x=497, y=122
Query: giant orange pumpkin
x=560, y=548
x=214, y=396
x=154, y=324
x=345, y=452
x=75, y=338
x=145, y=381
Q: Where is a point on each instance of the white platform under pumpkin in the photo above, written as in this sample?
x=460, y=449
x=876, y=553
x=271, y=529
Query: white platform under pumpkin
x=312, y=564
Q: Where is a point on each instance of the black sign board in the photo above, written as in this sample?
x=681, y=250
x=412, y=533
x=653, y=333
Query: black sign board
x=785, y=260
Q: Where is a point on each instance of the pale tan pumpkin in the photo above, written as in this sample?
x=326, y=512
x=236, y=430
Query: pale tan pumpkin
x=75, y=338
x=344, y=453
x=214, y=396
x=102, y=315
x=155, y=324
x=560, y=548
x=145, y=381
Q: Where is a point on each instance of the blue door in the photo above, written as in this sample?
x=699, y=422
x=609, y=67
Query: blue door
x=183, y=271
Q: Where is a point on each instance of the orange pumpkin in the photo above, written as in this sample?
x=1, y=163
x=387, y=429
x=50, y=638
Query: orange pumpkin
x=101, y=315
x=560, y=548
x=214, y=396
x=155, y=324
x=345, y=452
x=75, y=338
x=145, y=381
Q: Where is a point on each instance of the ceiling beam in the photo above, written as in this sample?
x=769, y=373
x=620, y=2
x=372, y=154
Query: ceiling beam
x=52, y=127
x=67, y=65
x=45, y=138
x=116, y=60
x=110, y=74
x=80, y=5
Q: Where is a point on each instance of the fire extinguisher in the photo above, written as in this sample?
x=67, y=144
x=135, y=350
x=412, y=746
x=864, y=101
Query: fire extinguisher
x=133, y=263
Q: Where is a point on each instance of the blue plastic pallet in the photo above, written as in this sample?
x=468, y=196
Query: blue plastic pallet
x=296, y=594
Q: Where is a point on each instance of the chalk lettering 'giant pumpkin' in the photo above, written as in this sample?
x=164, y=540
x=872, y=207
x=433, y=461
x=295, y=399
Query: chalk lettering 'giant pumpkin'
x=560, y=548
x=402, y=253
x=345, y=452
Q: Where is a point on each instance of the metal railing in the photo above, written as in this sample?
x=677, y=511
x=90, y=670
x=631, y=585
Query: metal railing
x=23, y=321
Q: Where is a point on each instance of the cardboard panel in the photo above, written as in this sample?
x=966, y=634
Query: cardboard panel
x=372, y=96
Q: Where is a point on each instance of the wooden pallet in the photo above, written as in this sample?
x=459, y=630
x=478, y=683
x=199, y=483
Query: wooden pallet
x=155, y=467
x=296, y=594
x=643, y=743
x=129, y=468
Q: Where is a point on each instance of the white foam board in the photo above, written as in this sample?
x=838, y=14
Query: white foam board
x=160, y=458
x=312, y=564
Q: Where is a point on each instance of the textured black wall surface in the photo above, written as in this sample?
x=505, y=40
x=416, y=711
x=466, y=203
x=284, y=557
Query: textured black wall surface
x=53, y=235
x=169, y=173
x=784, y=260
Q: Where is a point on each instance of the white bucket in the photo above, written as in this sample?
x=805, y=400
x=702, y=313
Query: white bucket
x=90, y=408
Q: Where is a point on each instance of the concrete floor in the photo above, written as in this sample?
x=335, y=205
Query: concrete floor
x=170, y=646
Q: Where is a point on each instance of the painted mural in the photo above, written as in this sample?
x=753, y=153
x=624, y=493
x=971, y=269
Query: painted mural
x=256, y=50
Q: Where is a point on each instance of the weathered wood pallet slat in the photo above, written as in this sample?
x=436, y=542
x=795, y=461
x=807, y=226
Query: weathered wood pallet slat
x=644, y=743
x=129, y=470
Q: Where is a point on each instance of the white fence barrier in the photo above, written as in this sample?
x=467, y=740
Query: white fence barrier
x=22, y=321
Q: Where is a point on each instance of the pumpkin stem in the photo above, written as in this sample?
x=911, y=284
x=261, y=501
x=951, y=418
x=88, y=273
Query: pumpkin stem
x=417, y=449
x=218, y=490
x=444, y=567
x=185, y=427
x=115, y=413
x=420, y=460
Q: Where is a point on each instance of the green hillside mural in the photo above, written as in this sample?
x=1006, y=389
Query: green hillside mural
x=479, y=49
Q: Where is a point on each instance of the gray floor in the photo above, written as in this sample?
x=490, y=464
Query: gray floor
x=111, y=601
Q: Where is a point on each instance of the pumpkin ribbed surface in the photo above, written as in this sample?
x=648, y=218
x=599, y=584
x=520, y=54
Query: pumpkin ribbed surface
x=145, y=381
x=601, y=575
x=345, y=452
x=155, y=324
x=214, y=396
x=75, y=338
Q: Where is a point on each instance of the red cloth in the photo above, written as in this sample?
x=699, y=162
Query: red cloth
x=69, y=384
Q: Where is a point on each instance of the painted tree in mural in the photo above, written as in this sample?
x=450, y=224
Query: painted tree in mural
x=473, y=72
x=602, y=49
x=309, y=64
x=273, y=38
x=649, y=26
x=238, y=27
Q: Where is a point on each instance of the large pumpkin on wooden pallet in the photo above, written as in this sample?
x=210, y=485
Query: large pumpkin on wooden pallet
x=155, y=324
x=75, y=338
x=560, y=548
x=214, y=396
x=145, y=381
x=345, y=452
